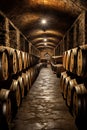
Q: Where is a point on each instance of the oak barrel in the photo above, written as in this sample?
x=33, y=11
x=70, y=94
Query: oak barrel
x=4, y=74
x=59, y=70
x=66, y=81
x=73, y=60
x=82, y=61
x=13, y=60
x=20, y=62
x=67, y=66
x=79, y=104
x=63, y=76
x=6, y=104
x=15, y=95
x=57, y=59
x=24, y=59
x=29, y=74
x=71, y=84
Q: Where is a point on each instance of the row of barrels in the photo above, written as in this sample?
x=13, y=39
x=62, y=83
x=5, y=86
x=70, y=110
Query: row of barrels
x=11, y=95
x=74, y=92
x=13, y=61
x=75, y=60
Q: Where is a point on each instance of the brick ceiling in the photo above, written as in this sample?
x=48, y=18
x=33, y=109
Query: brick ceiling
x=27, y=16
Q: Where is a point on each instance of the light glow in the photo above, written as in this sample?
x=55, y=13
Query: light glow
x=43, y=21
x=45, y=40
x=45, y=44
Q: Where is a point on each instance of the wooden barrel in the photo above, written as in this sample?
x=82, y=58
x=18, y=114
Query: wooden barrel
x=54, y=66
x=21, y=82
x=64, y=59
x=26, y=82
x=73, y=60
x=28, y=73
x=82, y=61
x=15, y=95
x=79, y=106
x=4, y=74
x=66, y=81
x=57, y=59
x=59, y=70
x=13, y=60
x=70, y=86
x=6, y=104
x=32, y=75
x=68, y=60
x=63, y=76
x=20, y=62
x=24, y=59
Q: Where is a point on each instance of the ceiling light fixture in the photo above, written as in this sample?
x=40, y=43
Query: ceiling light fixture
x=45, y=40
x=43, y=21
x=45, y=44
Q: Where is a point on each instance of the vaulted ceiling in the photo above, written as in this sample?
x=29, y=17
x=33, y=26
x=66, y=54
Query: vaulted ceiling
x=27, y=15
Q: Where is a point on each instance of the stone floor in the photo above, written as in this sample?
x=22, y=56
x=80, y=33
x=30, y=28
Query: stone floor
x=44, y=107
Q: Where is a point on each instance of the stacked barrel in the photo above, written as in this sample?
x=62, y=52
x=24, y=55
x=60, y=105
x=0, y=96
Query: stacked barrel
x=73, y=81
x=19, y=67
x=57, y=65
x=44, y=62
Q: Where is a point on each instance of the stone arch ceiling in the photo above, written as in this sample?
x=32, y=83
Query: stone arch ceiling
x=27, y=16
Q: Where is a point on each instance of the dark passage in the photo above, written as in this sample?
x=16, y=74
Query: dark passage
x=44, y=107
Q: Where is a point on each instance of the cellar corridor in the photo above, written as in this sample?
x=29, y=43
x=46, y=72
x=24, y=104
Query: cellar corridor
x=44, y=108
